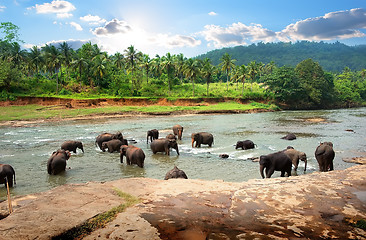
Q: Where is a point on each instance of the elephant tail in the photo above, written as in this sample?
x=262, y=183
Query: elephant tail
x=14, y=179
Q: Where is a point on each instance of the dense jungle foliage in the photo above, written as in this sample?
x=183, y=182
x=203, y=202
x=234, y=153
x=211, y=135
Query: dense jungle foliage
x=59, y=70
x=333, y=57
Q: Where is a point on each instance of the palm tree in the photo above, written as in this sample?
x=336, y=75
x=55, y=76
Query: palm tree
x=146, y=64
x=119, y=60
x=208, y=70
x=53, y=61
x=168, y=65
x=132, y=59
x=227, y=64
x=242, y=74
x=66, y=52
x=191, y=70
x=252, y=72
x=35, y=58
x=79, y=64
x=100, y=62
x=178, y=65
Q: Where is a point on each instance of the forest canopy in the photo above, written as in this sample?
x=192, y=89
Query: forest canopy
x=59, y=70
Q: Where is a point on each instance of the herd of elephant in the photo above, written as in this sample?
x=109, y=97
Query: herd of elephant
x=279, y=161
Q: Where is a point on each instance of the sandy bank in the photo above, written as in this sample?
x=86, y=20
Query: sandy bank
x=311, y=206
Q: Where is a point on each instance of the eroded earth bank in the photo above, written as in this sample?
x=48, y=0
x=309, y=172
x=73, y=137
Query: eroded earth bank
x=311, y=206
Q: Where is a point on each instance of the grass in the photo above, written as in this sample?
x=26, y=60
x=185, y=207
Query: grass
x=100, y=220
x=36, y=112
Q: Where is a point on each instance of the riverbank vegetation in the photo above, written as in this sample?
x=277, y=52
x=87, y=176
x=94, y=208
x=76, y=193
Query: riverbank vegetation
x=58, y=70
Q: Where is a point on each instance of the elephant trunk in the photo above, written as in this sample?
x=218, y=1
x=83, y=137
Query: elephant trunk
x=179, y=134
x=121, y=157
x=306, y=162
x=177, y=150
x=82, y=149
x=261, y=169
x=192, y=142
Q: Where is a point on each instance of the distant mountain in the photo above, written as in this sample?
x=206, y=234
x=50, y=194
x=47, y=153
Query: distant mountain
x=332, y=57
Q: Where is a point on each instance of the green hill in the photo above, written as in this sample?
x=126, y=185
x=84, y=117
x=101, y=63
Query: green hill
x=332, y=57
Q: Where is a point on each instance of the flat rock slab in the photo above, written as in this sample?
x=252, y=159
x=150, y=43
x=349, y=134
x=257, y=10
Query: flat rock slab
x=311, y=206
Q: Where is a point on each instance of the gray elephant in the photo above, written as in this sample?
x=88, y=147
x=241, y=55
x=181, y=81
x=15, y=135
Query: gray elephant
x=278, y=161
x=7, y=174
x=72, y=146
x=295, y=157
x=289, y=136
x=324, y=154
x=105, y=137
x=247, y=144
x=171, y=136
x=57, y=162
x=134, y=155
x=178, y=131
x=202, y=138
x=164, y=145
x=175, y=173
x=152, y=134
x=113, y=145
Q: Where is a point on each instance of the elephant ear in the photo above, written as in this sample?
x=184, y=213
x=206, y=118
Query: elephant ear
x=263, y=160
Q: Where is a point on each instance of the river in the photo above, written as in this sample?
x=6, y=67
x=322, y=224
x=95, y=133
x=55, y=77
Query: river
x=28, y=148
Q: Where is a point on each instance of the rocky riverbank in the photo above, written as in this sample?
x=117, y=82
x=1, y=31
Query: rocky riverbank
x=311, y=206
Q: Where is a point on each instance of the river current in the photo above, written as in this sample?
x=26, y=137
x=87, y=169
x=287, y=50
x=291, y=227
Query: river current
x=28, y=148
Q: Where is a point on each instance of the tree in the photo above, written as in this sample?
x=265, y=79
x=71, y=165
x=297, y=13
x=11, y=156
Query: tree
x=208, y=70
x=79, y=64
x=146, y=64
x=226, y=65
x=191, y=70
x=168, y=66
x=317, y=85
x=242, y=74
x=66, y=53
x=35, y=58
x=132, y=59
x=252, y=72
x=10, y=31
x=53, y=61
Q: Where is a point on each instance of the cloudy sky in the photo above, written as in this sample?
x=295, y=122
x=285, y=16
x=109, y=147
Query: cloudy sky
x=191, y=27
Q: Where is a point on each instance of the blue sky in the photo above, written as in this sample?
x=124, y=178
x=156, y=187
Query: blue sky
x=191, y=27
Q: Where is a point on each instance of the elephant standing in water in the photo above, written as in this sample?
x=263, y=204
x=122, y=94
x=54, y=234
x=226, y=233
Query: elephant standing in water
x=178, y=131
x=72, y=146
x=153, y=134
x=164, y=145
x=289, y=136
x=57, y=162
x=247, y=144
x=134, y=155
x=324, y=154
x=202, y=138
x=175, y=173
x=7, y=174
x=113, y=145
x=295, y=157
x=105, y=137
x=278, y=161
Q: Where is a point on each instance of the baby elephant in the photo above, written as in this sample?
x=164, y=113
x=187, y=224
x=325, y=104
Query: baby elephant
x=152, y=135
x=72, y=146
x=296, y=156
x=175, y=173
x=7, y=174
x=324, y=154
x=57, y=162
x=247, y=144
x=113, y=145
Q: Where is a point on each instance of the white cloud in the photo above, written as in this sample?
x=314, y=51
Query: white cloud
x=93, y=20
x=212, y=13
x=76, y=26
x=237, y=34
x=64, y=15
x=175, y=41
x=112, y=28
x=2, y=8
x=334, y=25
x=56, y=6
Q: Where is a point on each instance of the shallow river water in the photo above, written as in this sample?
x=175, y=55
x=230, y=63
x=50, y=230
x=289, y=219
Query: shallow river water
x=28, y=148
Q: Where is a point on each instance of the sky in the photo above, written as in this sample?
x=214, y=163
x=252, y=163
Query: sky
x=191, y=27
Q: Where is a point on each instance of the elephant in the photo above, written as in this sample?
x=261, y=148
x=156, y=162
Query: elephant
x=324, y=154
x=289, y=136
x=164, y=145
x=295, y=156
x=202, y=138
x=113, y=145
x=57, y=162
x=171, y=136
x=224, y=155
x=7, y=174
x=277, y=161
x=134, y=155
x=153, y=134
x=247, y=144
x=72, y=146
x=105, y=137
x=175, y=173
x=178, y=131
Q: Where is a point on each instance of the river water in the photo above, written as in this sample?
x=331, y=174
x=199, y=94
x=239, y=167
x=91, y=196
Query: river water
x=28, y=148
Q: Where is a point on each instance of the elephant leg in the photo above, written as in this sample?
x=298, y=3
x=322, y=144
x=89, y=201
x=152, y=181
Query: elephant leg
x=331, y=168
x=10, y=180
x=269, y=172
x=283, y=173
